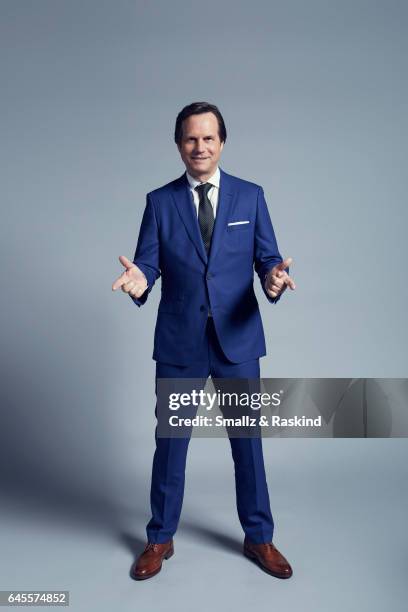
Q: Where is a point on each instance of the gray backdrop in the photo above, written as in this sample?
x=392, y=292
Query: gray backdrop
x=314, y=95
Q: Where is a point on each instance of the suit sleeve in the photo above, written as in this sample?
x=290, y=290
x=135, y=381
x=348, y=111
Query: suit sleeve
x=147, y=255
x=266, y=248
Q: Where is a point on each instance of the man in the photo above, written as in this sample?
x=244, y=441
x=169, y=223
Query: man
x=204, y=233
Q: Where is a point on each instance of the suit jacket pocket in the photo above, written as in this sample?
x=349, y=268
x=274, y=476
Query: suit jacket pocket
x=239, y=228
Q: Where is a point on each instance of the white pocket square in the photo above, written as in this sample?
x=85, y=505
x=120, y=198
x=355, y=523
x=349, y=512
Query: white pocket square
x=238, y=222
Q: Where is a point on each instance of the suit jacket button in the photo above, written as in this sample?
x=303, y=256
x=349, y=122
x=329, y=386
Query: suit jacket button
x=209, y=275
x=202, y=308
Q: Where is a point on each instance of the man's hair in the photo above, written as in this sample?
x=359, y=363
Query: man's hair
x=197, y=108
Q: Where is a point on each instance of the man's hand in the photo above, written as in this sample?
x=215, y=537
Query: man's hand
x=277, y=279
x=132, y=281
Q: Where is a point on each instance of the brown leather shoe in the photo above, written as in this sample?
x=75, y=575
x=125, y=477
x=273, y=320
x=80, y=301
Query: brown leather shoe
x=268, y=557
x=150, y=561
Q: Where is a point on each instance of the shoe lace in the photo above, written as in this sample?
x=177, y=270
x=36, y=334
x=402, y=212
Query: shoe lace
x=151, y=546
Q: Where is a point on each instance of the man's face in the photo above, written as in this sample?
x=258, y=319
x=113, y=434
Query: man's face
x=200, y=147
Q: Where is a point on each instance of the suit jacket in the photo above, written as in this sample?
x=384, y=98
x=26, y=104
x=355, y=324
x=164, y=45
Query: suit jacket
x=170, y=246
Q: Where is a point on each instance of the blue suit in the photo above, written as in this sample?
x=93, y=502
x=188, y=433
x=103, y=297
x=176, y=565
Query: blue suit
x=188, y=343
x=170, y=244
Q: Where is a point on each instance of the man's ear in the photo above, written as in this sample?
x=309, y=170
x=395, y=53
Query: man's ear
x=222, y=146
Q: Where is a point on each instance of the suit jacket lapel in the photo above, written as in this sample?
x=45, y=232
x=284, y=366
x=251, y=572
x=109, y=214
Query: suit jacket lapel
x=223, y=213
x=185, y=206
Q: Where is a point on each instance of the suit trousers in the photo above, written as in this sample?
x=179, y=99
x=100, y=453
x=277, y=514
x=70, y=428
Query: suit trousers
x=169, y=462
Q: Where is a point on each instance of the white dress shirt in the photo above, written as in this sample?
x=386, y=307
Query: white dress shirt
x=214, y=180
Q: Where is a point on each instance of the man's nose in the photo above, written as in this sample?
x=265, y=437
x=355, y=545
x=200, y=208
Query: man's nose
x=200, y=146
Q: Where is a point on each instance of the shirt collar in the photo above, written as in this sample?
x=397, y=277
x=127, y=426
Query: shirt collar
x=213, y=180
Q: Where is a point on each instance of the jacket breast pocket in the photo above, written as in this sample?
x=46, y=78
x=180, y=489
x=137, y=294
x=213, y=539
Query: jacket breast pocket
x=241, y=227
x=239, y=238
